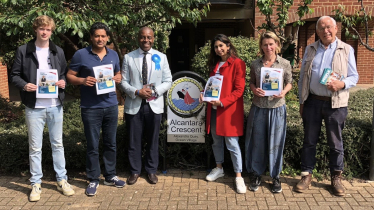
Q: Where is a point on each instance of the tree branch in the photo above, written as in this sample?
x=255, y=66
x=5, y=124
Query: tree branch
x=366, y=23
x=361, y=41
x=254, y=27
x=68, y=41
x=154, y=20
x=116, y=47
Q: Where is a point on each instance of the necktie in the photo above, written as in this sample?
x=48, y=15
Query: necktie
x=145, y=69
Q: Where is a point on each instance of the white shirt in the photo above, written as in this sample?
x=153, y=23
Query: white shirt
x=219, y=66
x=44, y=63
x=149, y=62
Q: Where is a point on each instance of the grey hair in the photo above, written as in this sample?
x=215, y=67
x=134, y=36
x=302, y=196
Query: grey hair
x=323, y=17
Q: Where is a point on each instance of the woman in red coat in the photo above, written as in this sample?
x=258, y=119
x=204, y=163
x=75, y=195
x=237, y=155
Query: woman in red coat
x=225, y=117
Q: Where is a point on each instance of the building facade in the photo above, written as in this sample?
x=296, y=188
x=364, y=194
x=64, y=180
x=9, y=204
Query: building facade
x=307, y=33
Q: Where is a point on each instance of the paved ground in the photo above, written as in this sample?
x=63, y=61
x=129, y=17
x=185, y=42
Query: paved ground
x=185, y=190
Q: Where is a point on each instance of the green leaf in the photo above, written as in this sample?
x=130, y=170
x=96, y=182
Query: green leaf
x=80, y=34
x=9, y=32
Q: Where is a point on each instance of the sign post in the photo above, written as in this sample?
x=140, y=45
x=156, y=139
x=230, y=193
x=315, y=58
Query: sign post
x=185, y=114
x=186, y=123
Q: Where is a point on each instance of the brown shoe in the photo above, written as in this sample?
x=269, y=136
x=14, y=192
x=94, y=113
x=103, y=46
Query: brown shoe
x=336, y=183
x=132, y=179
x=303, y=184
x=152, y=178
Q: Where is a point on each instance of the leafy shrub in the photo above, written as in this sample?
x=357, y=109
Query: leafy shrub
x=13, y=136
x=356, y=135
x=247, y=49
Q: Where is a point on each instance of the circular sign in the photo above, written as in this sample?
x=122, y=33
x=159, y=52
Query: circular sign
x=183, y=97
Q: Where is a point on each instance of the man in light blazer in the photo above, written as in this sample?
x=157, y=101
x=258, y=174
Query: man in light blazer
x=146, y=77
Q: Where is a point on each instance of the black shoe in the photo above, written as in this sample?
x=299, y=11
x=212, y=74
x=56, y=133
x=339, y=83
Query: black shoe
x=277, y=187
x=254, y=182
x=152, y=178
x=132, y=179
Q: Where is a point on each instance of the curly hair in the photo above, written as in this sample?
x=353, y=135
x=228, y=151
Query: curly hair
x=44, y=20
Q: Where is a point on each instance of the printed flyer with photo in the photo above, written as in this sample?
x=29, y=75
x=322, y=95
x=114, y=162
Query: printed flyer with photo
x=104, y=75
x=328, y=76
x=46, y=81
x=271, y=81
x=212, y=91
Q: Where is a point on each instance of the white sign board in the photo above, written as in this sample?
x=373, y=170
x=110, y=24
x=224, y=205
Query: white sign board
x=186, y=116
x=186, y=130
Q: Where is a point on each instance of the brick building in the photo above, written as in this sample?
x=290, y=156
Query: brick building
x=239, y=17
x=307, y=34
x=4, y=88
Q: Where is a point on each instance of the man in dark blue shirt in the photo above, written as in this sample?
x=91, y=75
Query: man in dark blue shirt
x=98, y=111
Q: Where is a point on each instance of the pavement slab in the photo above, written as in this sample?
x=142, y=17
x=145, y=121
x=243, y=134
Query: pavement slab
x=180, y=189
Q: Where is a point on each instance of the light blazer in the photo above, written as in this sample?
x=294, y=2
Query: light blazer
x=132, y=81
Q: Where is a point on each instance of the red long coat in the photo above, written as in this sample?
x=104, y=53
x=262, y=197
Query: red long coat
x=230, y=117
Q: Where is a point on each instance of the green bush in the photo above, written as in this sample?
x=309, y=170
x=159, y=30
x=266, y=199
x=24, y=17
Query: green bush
x=247, y=49
x=356, y=134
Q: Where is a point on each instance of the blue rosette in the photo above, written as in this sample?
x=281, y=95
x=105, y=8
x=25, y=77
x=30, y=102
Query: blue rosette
x=157, y=60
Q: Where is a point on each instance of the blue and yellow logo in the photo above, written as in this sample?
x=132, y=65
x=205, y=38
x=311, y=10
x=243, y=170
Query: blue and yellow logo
x=183, y=97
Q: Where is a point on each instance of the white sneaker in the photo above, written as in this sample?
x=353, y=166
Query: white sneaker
x=240, y=185
x=215, y=174
x=65, y=188
x=35, y=192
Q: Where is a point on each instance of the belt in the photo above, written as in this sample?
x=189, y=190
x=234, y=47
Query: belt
x=321, y=98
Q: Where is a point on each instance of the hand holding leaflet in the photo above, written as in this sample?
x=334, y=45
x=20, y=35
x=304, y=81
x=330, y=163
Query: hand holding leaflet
x=212, y=91
x=46, y=82
x=271, y=81
x=104, y=79
x=329, y=75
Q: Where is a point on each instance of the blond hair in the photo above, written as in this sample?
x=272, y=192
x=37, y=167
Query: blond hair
x=269, y=35
x=44, y=20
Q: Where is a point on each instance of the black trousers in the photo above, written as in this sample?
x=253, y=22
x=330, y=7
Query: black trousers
x=148, y=123
x=313, y=113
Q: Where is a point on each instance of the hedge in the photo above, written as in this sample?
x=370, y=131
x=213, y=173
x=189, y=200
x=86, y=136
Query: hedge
x=357, y=136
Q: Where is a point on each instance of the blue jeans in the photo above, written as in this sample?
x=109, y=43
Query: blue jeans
x=264, y=140
x=35, y=121
x=94, y=120
x=313, y=113
x=232, y=144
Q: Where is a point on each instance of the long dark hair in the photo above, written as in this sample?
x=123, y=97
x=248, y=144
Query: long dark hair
x=213, y=57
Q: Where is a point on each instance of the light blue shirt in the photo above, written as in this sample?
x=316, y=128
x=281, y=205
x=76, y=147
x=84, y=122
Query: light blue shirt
x=322, y=60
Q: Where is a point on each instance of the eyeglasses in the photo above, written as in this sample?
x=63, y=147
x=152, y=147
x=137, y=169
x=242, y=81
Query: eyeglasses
x=324, y=28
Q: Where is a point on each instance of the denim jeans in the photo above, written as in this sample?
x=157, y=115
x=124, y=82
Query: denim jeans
x=35, y=121
x=232, y=144
x=264, y=140
x=313, y=113
x=94, y=120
